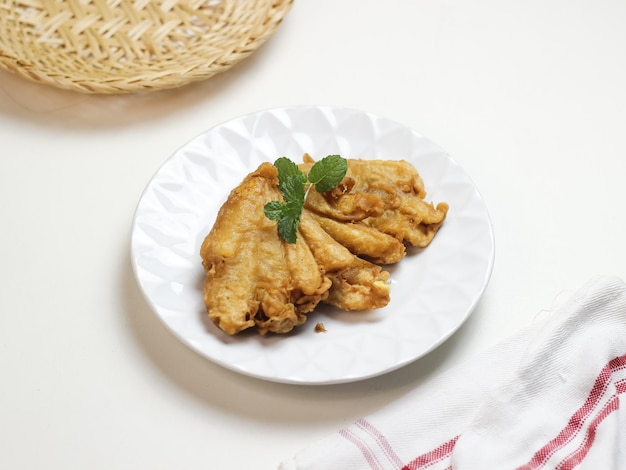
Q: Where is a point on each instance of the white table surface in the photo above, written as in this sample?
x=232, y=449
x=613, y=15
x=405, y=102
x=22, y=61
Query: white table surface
x=528, y=96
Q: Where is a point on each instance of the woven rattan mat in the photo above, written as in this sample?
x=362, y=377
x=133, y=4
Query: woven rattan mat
x=122, y=46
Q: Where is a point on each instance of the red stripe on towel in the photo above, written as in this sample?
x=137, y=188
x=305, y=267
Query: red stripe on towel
x=578, y=456
x=577, y=421
x=432, y=457
x=381, y=440
x=369, y=456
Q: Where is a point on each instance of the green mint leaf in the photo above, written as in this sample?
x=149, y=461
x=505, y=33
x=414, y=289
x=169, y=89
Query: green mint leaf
x=293, y=192
x=288, y=228
x=328, y=172
x=325, y=175
x=288, y=213
x=286, y=168
x=274, y=210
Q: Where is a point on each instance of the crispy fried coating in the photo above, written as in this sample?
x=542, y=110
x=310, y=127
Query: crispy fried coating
x=386, y=195
x=363, y=240
x=357, y=284
x=363, y=286
x=255, y=279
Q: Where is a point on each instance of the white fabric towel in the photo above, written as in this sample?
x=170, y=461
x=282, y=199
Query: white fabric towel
x=547, y=398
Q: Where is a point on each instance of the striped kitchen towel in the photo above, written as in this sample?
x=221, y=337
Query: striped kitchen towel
x=549, y=397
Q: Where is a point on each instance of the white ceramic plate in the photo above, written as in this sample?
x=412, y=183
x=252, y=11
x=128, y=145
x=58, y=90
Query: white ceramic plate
x=433, y=291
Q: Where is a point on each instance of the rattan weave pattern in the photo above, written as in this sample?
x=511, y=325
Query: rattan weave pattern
x=123, y=46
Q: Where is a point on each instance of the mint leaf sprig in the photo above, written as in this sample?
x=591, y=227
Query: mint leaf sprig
x=324, y=175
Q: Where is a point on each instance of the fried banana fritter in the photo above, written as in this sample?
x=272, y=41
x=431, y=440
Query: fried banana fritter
x=255, y=279
x=357, y=284
x=386, y=195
